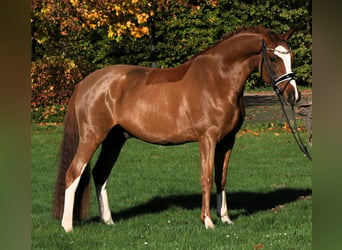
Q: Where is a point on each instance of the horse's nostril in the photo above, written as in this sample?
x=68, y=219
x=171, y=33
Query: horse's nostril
x=291, y=98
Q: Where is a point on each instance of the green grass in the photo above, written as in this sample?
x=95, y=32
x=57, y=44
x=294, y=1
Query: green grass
x=155, y=197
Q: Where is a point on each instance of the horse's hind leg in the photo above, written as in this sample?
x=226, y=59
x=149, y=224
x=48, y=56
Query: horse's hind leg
x=72, y=179
x=222, y=155
x=110, y=150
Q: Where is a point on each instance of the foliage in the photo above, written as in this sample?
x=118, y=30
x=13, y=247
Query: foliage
x=184, y=31
x=53, y=80
x=93, y=34
x=69, y=17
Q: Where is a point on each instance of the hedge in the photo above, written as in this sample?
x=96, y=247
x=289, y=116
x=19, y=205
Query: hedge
x=183, y=29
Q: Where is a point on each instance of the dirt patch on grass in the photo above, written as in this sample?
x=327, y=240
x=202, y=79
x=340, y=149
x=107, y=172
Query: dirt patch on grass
x=264, y=107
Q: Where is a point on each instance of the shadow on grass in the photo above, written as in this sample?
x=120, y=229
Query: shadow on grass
x=248, y=202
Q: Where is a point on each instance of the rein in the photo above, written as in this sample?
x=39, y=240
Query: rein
x=275, y=82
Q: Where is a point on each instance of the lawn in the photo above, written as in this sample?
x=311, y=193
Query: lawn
x=155, y=197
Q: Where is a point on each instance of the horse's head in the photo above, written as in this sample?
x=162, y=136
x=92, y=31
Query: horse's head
x=276, y=65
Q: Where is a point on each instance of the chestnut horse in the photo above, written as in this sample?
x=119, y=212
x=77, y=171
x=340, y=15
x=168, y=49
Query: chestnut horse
x=200, y=100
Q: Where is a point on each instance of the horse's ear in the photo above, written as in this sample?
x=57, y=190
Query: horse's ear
x=288, y=34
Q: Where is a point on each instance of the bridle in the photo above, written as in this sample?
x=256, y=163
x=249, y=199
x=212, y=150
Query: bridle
x=279, y=91
x=275, y=82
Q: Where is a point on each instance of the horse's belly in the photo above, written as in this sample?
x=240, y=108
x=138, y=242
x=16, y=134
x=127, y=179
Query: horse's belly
x=159, y=131
x=158, y=126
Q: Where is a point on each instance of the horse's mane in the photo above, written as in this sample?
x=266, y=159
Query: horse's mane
x=177, y=73
x=247, y=29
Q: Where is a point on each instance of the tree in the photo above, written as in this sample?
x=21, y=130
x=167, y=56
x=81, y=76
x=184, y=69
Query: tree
x=73, y=27
x=183, y=31
x=91, y=34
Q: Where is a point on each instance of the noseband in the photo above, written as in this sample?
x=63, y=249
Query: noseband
x=275, y=81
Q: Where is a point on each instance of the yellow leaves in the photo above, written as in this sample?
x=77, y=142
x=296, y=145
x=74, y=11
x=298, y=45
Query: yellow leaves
x=248, y=131
x=94, y=19
x=46, y=10
x=131, y=17
x=117, y=9
x=92, y=26
x=142, y=18
x=115, y=17
x=41, y=40
x=214, y=3
x=116, y=31
x=110, y=32
x=139, y=32
x=275, y=129
x=72, y=65
x=74, y=2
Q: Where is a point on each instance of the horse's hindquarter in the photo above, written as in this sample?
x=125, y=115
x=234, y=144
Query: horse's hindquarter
x=97, y=94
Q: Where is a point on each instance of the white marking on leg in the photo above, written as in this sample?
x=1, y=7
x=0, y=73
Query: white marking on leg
x=222, y=209
x=69, y=200
x=69, y=205
x=208, y=223
x=104, y=208
x=286, y=57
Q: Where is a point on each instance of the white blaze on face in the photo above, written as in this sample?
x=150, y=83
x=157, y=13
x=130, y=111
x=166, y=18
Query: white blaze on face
x=282, y=52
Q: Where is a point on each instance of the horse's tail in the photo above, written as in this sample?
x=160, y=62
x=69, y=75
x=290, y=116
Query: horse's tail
x=67, y=152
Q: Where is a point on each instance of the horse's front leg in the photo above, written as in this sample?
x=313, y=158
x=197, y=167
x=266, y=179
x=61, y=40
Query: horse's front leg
x=222, y=155
x=207, y=152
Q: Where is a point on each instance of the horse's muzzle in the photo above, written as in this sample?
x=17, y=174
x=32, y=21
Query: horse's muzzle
x=292, y=99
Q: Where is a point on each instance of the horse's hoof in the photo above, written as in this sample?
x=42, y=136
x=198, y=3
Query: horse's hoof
x=67, y=228
x=225, y=219
x=109, y=222
x=208, y=223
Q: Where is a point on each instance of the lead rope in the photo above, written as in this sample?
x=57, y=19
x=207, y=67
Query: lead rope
x=295, y=132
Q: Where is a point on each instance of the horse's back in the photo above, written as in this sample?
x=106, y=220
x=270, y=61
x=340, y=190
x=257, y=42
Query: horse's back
x=114, y=74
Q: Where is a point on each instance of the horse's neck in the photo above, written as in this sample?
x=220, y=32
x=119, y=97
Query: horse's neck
x=244, y=48
x=239, y=48
x=240, y=56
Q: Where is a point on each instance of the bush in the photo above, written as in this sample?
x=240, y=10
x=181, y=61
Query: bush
x=53, y=80
x=48, y=114
x=183, y=29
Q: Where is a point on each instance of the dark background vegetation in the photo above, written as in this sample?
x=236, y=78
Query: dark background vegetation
x=64, y=51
